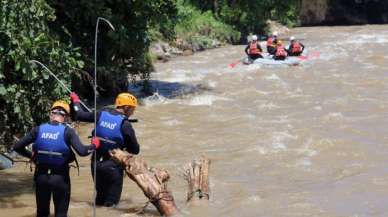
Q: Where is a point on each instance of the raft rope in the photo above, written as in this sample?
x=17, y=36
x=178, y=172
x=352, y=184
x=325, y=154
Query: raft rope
x=162, y=195
x=200, y=194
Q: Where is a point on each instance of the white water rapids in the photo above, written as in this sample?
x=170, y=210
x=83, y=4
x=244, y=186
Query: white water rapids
x=306, y=140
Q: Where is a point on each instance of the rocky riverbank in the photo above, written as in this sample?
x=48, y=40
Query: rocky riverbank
x=164, y=51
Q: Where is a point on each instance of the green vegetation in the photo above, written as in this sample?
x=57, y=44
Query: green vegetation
x=249, y=16
x=25, y=90
x=121, y=52
x=61, y=35
x=200, y=27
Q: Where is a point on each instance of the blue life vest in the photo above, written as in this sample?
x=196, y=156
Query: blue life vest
x=109, y=131
x=50, y=147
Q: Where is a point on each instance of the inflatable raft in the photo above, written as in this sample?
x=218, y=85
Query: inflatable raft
x=268, y=60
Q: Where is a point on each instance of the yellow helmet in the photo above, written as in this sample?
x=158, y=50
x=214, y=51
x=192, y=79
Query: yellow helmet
x=125, y=99
x=280, y=42
x=61, y=104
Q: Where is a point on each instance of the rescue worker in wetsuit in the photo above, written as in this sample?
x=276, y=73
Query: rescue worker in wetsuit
x=52, y=153
x=296, y=48
x=114, y=131
x=280, y=52
x=253, y=49
x=271, y=43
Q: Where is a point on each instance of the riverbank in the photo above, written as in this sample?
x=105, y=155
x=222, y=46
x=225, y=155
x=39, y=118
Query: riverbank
x=164, y=51
x=188, y=45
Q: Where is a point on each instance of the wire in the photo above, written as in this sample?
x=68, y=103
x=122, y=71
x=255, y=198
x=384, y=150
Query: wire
x=62, y=84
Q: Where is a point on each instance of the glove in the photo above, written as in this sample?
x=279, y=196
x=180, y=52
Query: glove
x=74, y=97
x=96, y=142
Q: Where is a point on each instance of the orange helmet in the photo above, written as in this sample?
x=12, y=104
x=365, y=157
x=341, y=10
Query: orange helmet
x=61, y=104
x=125, y=99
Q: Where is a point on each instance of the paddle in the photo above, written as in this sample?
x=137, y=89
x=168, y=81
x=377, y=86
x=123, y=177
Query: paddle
x=309, y=56
x=234, y=64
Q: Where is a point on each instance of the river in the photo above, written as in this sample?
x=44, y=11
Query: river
x=306, y=140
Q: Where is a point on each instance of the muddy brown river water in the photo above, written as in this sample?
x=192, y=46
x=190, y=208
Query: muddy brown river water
x=306, y=140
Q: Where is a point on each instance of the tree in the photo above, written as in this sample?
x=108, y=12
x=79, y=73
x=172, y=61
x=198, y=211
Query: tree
x=249, y=16
x=122, y=52
x=26, y=91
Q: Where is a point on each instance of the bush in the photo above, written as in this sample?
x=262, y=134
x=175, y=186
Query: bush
x=196, y=25
x=249, y=16
x=286, y=12
x=121, y=53
x=27, y=91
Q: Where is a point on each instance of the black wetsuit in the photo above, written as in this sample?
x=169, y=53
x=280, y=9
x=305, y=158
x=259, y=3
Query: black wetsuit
x=252, y=57
x=48, y=181
x=290, y=53
x=279, y=57
x=109, y=180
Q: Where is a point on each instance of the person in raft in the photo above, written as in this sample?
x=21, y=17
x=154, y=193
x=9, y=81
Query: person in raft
x=253, y=49
x=280, y=52
x=271, y=43
x=52, y=153
x=296, y=48
x=115, y=131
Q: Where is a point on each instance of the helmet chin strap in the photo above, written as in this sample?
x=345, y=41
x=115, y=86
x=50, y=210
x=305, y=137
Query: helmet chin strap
x=126, y=110
x=57, y=118
x=129, y=111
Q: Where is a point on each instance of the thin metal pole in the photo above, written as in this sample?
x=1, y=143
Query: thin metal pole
x=95, y=107
x=95, y=117
x=62, y=84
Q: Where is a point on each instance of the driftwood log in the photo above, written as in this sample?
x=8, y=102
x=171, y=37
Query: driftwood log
x=197, y=175
x=152, y=181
